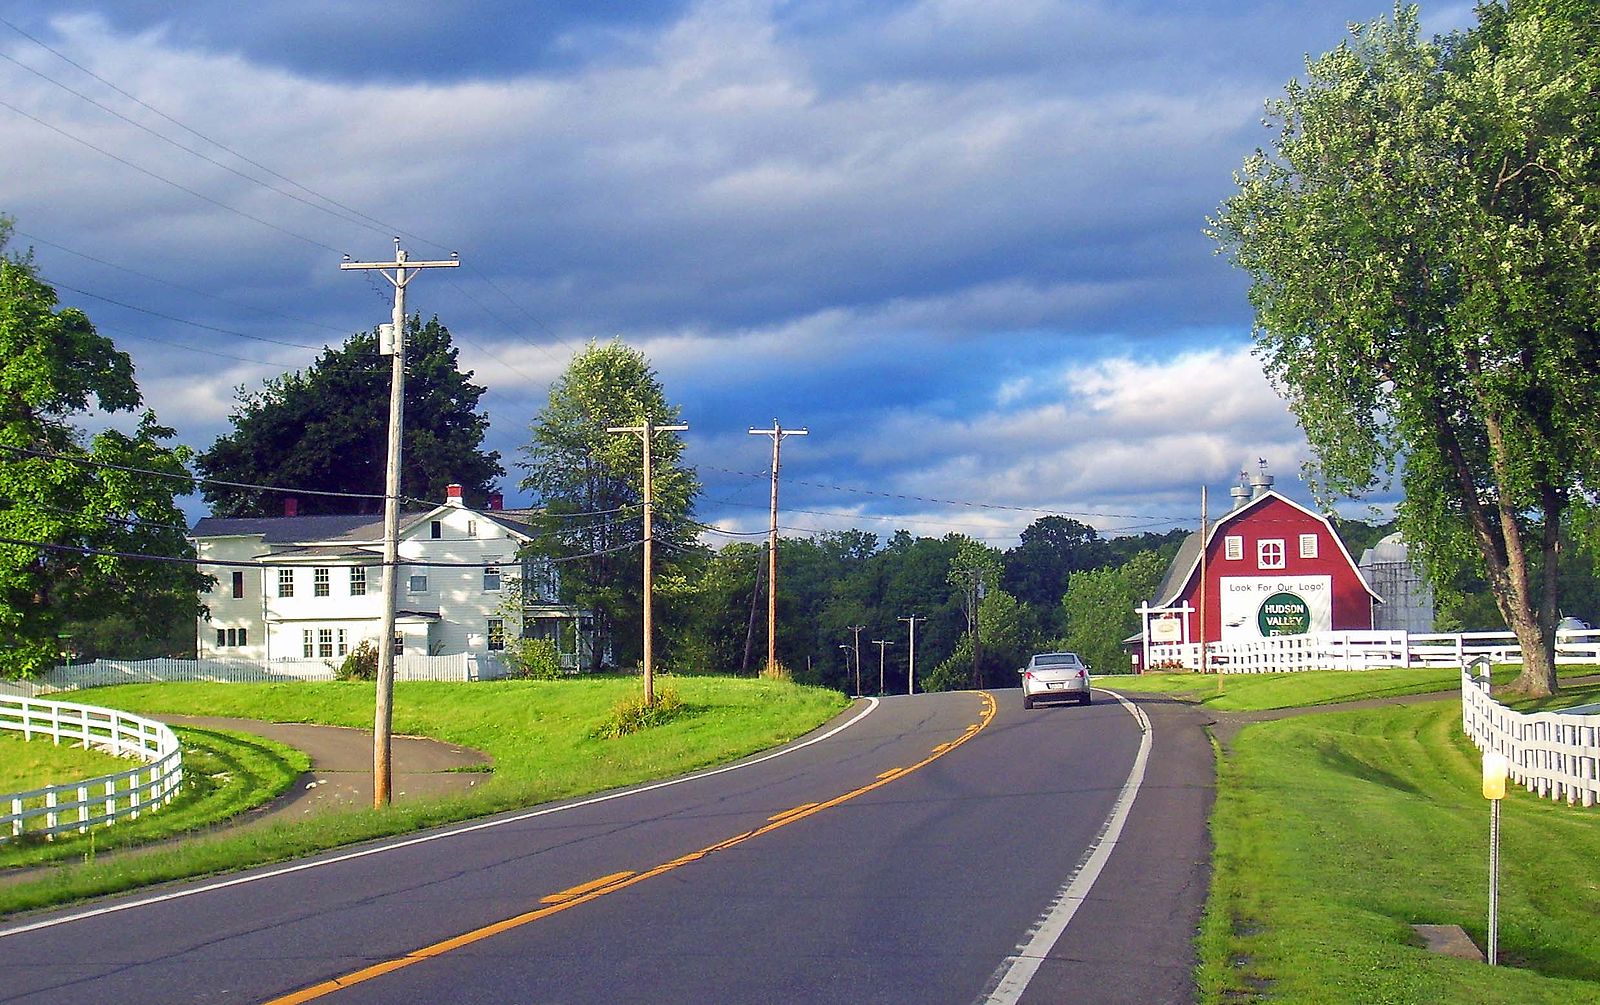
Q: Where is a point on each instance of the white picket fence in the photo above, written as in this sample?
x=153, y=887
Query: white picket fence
x=77, y=806
x=101, y=673
x=1553, y=754
x=1351, y=650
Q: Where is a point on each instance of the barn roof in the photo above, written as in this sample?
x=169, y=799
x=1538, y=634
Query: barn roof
x=1186, y=562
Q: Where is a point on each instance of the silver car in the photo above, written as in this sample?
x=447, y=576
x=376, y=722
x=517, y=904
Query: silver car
x=1055, y=677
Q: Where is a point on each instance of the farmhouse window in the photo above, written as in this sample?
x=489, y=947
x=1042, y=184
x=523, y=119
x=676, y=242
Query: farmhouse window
x=344, y=640
x=437, y=530
x=242, y=642
x=491, y=578
x=1233, y=548
x=417, y=584
x=320, y=579
x=325, y=642
x=497, y=635
x=222, y=637
x=1308, y=546
x=472, y=528
x=1270, y=554
x=308, y=643
x=358, y=581
x=238, y=585
x=285, y=582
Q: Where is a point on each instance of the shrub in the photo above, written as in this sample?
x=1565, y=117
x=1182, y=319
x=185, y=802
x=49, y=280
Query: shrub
x=534, y=659
x=631, y=714
x=361, y=663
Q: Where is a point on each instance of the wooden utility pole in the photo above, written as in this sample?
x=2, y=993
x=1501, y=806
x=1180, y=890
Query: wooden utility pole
x=911, y=665
x=405, y=270
x=646, y=434
x=777, y=433
x=1205, y=664
x=880, y=643
x=857, y=630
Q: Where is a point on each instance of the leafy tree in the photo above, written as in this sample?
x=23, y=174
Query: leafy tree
x=591, y=485
x=90, y=505
x=1052, y=548
x=1422, y=246
x=1099, y=609
x=326, y=429
x=1004, y=645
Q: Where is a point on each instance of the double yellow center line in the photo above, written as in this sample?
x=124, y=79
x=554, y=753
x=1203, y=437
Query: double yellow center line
x=596, y=888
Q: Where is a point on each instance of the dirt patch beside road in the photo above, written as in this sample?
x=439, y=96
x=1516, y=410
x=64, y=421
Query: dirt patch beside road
x=341, y=766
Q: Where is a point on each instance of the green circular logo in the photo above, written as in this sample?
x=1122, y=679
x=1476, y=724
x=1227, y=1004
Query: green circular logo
x=1284, y=614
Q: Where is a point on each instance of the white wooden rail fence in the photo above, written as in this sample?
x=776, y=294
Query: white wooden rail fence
x=1553, y=754
x=101, y=673
x=1365, y=650
x=77, y=806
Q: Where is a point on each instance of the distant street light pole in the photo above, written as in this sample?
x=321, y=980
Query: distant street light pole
x=911, y=665
x=777, y=433
x=646, y=434
x=880, y=643
x=383, y=714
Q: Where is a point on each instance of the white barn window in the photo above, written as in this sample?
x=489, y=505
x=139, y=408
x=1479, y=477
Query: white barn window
x=1308, y=546
x=1233, y=548
x=1270, y=554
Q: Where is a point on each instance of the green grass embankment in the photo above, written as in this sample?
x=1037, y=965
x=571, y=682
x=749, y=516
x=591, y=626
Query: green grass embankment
x=1335, y=832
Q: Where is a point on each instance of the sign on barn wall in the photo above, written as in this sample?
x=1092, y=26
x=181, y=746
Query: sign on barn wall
x=1266, y=607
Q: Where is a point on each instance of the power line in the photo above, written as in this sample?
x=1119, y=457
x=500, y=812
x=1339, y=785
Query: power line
x=73, y=549
x=167, y=181
x=177, y=286
x=953, y=502
x=182, y=321
x=377, y=224
x=190, y=150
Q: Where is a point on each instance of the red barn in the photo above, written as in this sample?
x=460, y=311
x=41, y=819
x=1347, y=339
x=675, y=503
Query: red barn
x=1272, y=567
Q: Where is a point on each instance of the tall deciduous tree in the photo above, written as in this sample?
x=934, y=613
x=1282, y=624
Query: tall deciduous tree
x=591, y=485
x=325, y=429
x=91, y=513
x=1423, y=244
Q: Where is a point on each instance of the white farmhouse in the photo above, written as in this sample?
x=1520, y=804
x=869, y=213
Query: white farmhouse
x=311, y=587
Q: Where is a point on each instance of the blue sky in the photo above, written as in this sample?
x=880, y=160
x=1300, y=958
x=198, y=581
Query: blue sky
x=960, y=241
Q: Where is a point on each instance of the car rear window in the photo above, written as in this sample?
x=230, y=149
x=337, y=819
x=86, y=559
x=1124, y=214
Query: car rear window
x=1056, y=660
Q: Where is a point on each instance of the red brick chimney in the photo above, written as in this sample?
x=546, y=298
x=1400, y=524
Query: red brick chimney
x=291, y=506
x=452, y=495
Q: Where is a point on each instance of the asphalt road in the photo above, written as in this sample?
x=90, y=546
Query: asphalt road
x=911, y=856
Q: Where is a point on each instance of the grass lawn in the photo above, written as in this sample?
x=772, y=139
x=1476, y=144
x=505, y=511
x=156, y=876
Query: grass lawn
x=1263, y=691
x=36, y=763
x=1335, y=832
x=225, y=774
x=541, y=736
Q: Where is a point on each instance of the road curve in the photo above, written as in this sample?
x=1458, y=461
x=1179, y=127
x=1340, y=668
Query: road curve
x=906, y=858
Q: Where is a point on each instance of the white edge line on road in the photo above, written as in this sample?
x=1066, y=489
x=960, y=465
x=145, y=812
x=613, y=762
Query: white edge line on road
x=1012, y=977
x=66, y=919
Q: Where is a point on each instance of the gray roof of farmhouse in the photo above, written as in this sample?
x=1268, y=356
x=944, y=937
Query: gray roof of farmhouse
x=332, y=529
